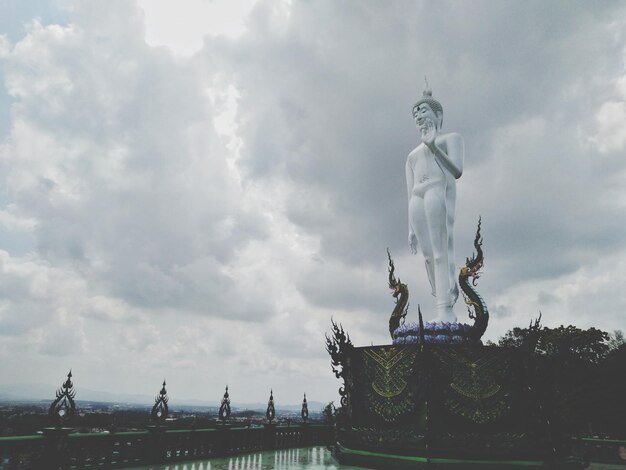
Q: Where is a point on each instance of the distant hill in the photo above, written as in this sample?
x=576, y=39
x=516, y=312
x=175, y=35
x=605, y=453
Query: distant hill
x=38, y=392
x=29, y=392
x=248, y=414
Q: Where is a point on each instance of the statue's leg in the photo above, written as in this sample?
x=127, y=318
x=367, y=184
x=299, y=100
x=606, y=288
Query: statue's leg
x=450, y=213
x=419, y=224
x=437, y=221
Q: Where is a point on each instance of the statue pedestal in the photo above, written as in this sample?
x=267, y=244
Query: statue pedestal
x=461, y=406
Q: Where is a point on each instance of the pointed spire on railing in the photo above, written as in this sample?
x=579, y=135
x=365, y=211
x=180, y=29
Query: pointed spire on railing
x=305, y=410
x=270, y=413
x=160, y=410
x=224, y=412
x=63, y=407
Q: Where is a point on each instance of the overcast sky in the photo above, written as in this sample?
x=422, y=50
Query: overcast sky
x=191, y=189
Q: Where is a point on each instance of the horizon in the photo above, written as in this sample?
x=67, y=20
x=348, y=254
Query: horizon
x=36, y=395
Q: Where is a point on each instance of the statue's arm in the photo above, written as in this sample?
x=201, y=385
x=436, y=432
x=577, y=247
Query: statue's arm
x=453, y=160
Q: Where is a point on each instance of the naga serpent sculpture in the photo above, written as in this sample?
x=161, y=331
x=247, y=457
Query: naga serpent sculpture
x=443, y=332
x=472, y=267
x=400, y=292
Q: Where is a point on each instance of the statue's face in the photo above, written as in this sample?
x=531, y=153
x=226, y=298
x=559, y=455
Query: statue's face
x=425, y=117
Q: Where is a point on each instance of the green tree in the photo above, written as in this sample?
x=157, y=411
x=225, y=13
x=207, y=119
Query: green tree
x=580, y=375
x=565, y=342
x=569, y=342
x=616, y=340
x=329, y=413
x=514, y=338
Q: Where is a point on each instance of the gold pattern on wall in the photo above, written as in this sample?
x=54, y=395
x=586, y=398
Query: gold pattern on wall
x=473, y=392
x=388, y=370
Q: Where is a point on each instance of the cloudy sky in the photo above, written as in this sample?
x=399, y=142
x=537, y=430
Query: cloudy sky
x=192, y=189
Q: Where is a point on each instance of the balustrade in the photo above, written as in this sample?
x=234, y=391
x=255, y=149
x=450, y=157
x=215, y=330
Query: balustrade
x=157, y=445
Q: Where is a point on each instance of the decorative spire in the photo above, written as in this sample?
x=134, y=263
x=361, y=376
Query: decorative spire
x=305, y=410
x=160, y=410
x=224, y=412
x=270, y=413
x=63, y=407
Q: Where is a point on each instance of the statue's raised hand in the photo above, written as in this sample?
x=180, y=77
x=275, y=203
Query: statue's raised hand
x=429, y=132
x=412, y=242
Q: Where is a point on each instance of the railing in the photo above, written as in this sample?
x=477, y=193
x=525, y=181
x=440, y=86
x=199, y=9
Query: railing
x=60, y=449
x=611, y=451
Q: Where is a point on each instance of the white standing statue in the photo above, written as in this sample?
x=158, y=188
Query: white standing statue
x=432, y=169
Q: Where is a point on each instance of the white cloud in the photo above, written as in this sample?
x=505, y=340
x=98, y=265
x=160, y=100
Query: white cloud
x=12, y=221
x=590, y=296
x=181, y=26
x=611, y=131
x=621, y=86
x=5, y=46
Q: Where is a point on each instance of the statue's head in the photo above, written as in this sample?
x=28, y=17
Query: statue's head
x=428, y=108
